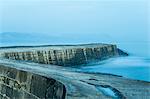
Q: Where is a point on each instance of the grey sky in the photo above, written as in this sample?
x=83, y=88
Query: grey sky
x=116, y=20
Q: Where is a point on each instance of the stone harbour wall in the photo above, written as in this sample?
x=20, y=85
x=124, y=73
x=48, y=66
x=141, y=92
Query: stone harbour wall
x=65, y=57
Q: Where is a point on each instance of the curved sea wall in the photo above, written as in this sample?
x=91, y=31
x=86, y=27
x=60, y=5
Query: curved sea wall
x=26, y=80
x=63, y=55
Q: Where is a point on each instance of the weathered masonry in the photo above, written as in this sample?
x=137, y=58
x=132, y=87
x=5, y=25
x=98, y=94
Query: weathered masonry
x=18, y=84
x=64, y=55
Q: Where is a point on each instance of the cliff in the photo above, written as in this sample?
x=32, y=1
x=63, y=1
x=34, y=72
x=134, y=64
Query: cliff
x=63, y=55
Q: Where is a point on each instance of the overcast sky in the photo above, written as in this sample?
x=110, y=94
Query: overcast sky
x=114, y=20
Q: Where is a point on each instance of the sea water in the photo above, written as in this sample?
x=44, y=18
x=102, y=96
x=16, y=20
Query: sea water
x=135, y=66
x=131, y=67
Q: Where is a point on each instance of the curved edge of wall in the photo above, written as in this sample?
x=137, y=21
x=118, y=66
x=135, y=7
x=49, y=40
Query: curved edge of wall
x=18, y=84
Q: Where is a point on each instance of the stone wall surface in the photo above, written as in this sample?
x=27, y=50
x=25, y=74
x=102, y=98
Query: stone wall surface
x=17, y=84
x=64, y=56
